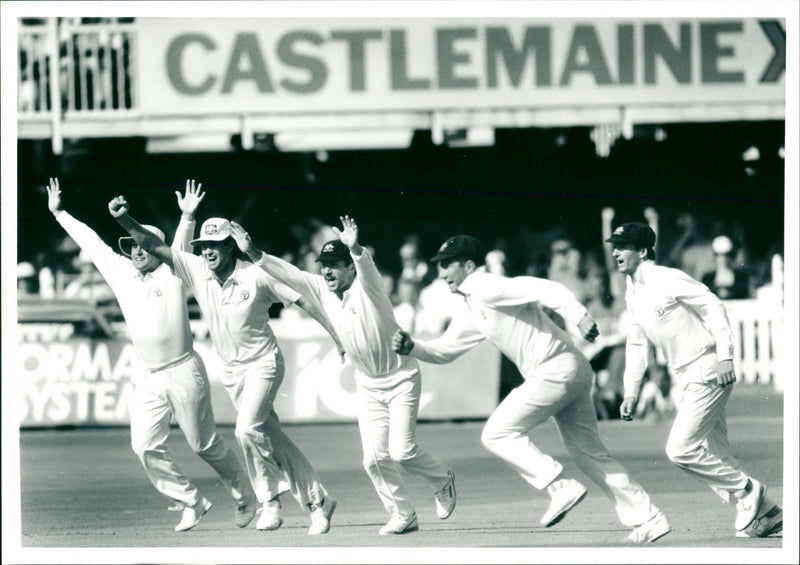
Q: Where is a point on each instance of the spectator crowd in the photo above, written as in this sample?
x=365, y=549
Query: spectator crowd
x=719, y=257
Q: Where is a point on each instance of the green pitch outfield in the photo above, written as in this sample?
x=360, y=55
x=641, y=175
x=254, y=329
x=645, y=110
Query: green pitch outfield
x=84, y=489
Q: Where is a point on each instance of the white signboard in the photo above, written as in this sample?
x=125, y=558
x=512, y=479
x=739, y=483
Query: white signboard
x=268, y=66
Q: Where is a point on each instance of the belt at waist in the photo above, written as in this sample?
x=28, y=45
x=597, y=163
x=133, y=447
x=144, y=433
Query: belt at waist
x=182, y=359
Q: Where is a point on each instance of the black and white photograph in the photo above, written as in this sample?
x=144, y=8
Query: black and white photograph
x=400, y=282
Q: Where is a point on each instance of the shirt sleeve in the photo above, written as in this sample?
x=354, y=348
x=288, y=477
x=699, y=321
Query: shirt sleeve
x=460, y=336
x=103, y=257
x=370, y=277
x=635, y=360
x=183, y=268
x=516, y=291
x=184, y=234
x=284, y=272
x=697, y=297
x=277, y=290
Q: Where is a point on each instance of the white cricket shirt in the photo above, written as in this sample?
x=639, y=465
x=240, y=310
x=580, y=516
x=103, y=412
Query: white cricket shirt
x=679, y=315
x=363, y=318
x=507, y=311
x=237, y=311
x=153, y=305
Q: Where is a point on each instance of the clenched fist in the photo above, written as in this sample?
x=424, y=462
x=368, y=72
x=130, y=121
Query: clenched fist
x=118, y=206
x=402, y=342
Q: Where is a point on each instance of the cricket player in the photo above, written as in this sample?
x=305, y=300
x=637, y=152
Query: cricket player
x=689, y=326
x=234, y=297
x=558, y=383
x=174, y=383
x=351, y=292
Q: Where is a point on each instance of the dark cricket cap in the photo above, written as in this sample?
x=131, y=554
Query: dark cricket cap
x=640, y=235
x=334, y=250
x=464, y=246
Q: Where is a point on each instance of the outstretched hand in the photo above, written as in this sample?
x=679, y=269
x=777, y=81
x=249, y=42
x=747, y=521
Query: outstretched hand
x=242, y=239
x=54, y=196
x=118, y=206
x=349, y=232
x=191, y=199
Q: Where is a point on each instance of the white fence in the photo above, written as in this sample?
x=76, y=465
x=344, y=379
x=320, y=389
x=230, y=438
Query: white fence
x=758, y=335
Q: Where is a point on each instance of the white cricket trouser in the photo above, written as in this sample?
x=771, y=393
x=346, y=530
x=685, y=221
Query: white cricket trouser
x=562, y=388
x=181, y=389
x=387, y=420
x=698, y=441
x=273, y=461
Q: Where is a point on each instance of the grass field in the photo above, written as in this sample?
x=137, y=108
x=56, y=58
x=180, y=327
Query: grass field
x=83, y=491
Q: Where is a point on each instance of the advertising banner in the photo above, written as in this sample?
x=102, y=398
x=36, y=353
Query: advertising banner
x=270, y=66
x=81, y=381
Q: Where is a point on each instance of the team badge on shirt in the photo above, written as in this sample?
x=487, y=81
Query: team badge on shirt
x=245, y=294
x=157, y=292
x=352, y=310
x=659, y=311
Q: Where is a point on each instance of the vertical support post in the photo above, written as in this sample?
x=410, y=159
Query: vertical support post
x=53, y=70
x=437, y=128
x=246, y=129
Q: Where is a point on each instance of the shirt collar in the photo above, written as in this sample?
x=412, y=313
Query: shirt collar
x=144, y=276
x=464, y=288
x=638, y=277
x=239, y=265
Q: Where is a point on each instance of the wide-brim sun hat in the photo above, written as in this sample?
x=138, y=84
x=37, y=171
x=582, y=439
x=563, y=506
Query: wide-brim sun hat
x=127, y=243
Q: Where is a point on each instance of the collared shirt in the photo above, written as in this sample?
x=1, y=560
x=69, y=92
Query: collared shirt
x=679, y=315
x=508, y=311
x=153, y=305
x=363, y=318
x=236, y=311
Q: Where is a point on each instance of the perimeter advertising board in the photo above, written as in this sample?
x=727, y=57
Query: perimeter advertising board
x=261, y=65
x=82, y=381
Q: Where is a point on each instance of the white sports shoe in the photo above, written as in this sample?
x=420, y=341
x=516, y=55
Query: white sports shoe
x=565, y=494
x=400, y=525
x=655, y=528
x=446, y=498
x=748, y=504
x=192, y=514
x=768, y=521
x=321, y=517
x=270, y=518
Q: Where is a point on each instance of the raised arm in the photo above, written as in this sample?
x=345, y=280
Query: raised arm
x=105, y=259
x=118, y=207
x=281, y=270
x=368, y=274
x=292, y=277
x=188, y=204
